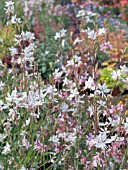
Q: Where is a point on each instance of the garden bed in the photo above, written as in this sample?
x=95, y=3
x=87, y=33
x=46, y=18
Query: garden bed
x=63, y=86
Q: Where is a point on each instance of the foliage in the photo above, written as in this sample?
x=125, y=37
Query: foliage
x=6, y=39
x=105, y=76
x=125, y=8
x=47, y=60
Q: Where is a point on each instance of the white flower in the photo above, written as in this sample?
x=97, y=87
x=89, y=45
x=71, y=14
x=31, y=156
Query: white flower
x=70, y=63
x=102, y=103
x=28, y=35
x=51, y=89
x=9, y=3
x=125, y=80
x=115, y=121
x=24, y=36
x=78, y=64
x=77, y=59
x=77, y=40
x=102, y=90
x=37, y=115
x=67, y=82
x=116, y=74
x=54, y=139
x=89, y=84
x=101, y=140
x=124, y=69
x=91, y=14
x=19, y=60
x=62, y=135
x=103, y=124
x=9, y=97
x=28, y=53
x=13, y=51
x=25, y=143
x=63, y=43
x=23, y=133
x=111, y=165
x=28, y=121
x=57, y=74
x=71, y=137
x=60, y=34
x=88, y=20
x=1, y=64
x=81, y=13
x=102, y=31
x=2, y=137
x=74, y=93
x=64, y=69
x=15, y=20
x=6, y=149
x=63, y=32
x=10, y=7
x=91, y=110
x=91, y=34
x=46, y=52
x=64, y=107
x=10, y=71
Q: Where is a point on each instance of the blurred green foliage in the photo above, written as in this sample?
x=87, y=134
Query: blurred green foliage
x=6, y=39
x=105, y=76
x=50, y=50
